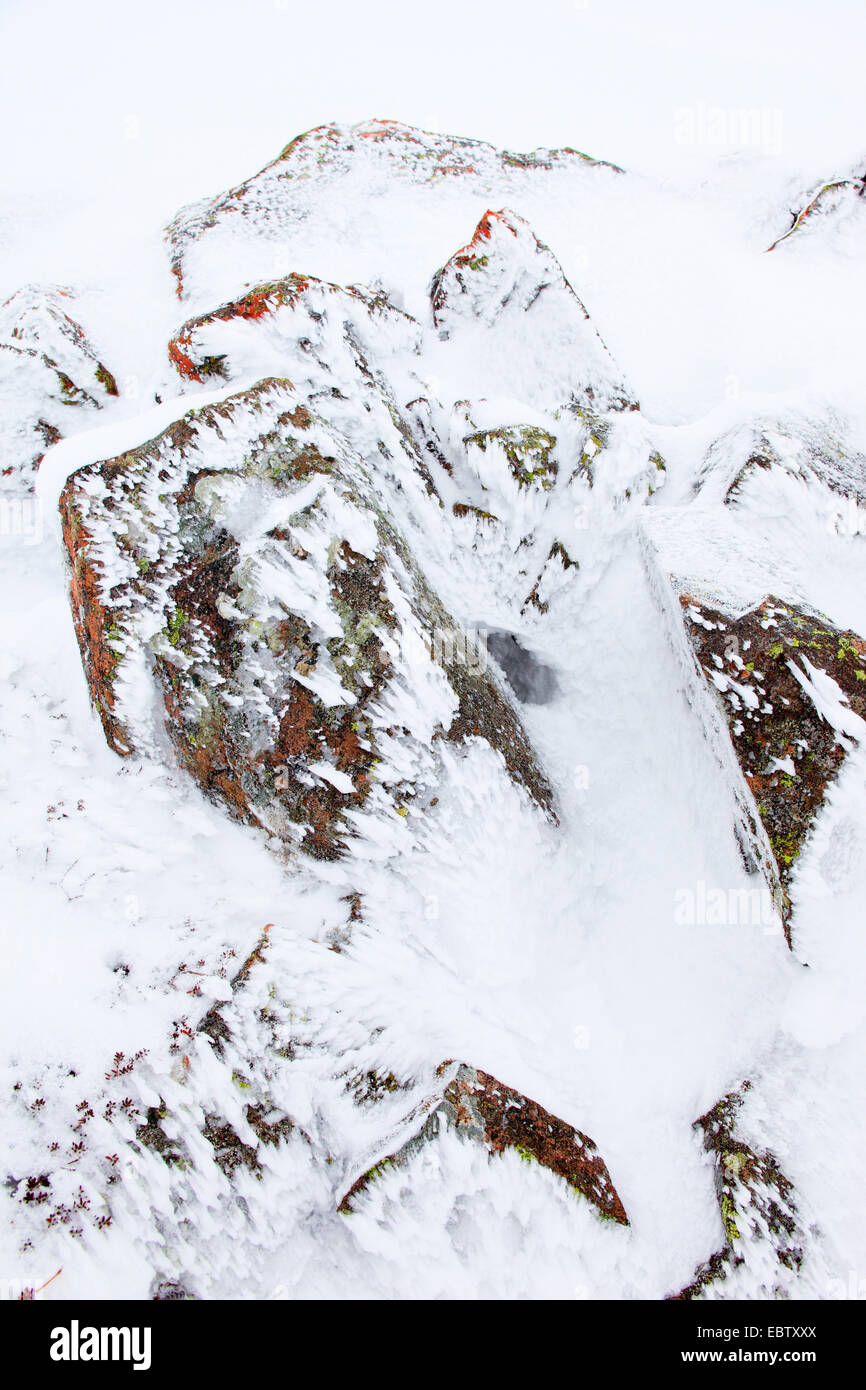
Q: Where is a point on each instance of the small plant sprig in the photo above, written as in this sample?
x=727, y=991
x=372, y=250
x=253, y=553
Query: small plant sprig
x=123, y=1065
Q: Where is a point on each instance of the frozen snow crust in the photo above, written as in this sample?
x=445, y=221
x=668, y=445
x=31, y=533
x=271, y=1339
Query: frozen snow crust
x=347, y=953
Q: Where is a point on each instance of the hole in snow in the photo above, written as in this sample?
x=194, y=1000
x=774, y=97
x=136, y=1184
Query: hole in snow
x=532, y=682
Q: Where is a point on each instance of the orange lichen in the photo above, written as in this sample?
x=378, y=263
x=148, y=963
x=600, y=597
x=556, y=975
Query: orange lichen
x=92, y=622
x=181, y=360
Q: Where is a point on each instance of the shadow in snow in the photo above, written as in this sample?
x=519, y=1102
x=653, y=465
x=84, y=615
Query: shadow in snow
x=533, y=683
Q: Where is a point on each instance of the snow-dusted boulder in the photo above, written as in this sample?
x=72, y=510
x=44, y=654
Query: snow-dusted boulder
x=320, y=178
x=48, y=368
x=549, y=418
x=242, y=566
x=518, y=318
x=792, y=690
x=483, y=1111
x=766, y=1240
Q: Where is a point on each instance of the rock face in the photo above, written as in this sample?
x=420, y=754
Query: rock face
x=243, y=557
x=265, y=557
x=792, y=688
x=484, y=1111
x=48, y=368
x=768, y=455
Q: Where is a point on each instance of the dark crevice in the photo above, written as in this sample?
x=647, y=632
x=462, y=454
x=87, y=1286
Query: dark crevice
x=532, y=682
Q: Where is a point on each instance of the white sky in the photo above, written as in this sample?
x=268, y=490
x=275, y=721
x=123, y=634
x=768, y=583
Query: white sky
x=172, y=99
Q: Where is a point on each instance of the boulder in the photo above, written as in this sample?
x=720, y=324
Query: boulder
x=49, y=374
x=484, y=1111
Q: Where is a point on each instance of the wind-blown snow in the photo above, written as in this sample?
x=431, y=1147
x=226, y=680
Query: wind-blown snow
x=549, y=955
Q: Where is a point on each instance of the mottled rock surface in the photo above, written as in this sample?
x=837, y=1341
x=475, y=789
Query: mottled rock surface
x=241, y=565
x=764, y=1233
x=484, y=1111
x=790, y=729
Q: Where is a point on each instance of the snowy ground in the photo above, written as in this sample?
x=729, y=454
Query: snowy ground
x=552, y=957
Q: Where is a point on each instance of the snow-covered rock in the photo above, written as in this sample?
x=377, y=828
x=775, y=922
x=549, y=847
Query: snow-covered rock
x=483, y=1110
x=835, y=208
x=766, y=1240
x=243, y=563
x=436, y=682
x=766, y=667
x=321, y=172
x=49, y=372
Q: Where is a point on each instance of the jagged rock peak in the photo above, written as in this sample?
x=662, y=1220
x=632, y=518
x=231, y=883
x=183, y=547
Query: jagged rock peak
x=275, y=200
x=505, y=278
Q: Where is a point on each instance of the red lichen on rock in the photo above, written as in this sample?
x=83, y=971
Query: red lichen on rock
x=261, y=300
x=512, y=1121
x=180, y=359
x=481, y=1109
x=788, y=752
x=92, y=622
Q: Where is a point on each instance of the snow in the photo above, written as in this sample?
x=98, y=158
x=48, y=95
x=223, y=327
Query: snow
x=110, y=440
x=829, y=700
x=550, y=956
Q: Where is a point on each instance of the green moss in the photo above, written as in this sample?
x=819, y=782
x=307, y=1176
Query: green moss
x=729, y=1214
x=72, y=394
x=377, y=1171
x=175, y=626
x=604, y=1215
x=367, y=625
x=785, y=847
x=528, y=449
x=846, y=650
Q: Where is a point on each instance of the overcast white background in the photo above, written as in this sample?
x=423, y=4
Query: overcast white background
x=114, y=114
